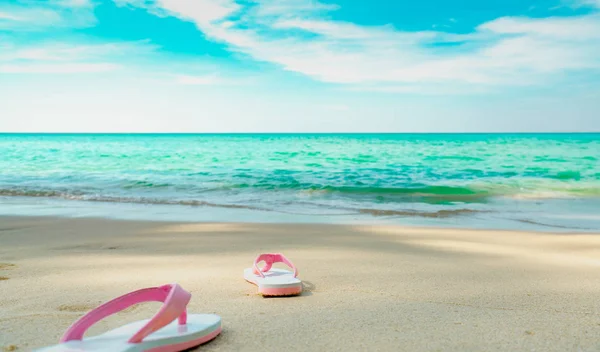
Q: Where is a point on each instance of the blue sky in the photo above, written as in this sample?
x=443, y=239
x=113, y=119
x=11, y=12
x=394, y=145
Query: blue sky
x=299, y=65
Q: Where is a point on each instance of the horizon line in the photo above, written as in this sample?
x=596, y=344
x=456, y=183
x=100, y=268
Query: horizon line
x=288, y=133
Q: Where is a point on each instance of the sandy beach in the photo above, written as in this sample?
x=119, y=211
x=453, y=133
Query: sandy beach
x=366, y=288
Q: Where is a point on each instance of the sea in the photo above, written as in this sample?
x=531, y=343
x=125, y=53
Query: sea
x=544, y=182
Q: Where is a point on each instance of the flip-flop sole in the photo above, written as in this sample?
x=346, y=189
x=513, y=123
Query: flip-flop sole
x=278, y=292
x=277, y=282
x=200, y=328
x=187, y=345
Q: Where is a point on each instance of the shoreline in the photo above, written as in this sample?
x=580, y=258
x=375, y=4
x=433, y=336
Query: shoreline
x=367, y=287
x=580, y=220
x=375, y=224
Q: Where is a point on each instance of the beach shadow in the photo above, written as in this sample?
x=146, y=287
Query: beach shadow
x=127, y=238
x=308, y=288
x=303, y=294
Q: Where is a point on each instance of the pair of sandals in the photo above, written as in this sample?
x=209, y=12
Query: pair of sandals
x=171, y=329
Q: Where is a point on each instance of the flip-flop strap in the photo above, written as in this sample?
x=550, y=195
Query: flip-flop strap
x=270, y=259
x=175, y=301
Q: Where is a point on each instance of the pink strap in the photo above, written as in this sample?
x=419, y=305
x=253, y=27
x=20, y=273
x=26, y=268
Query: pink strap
x=175, y=301
x=271, y=259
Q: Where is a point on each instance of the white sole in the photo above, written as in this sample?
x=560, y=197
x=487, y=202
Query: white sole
x=198, y=328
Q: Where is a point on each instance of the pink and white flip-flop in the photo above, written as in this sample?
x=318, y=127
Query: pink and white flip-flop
x=161, y=333
x=271, y=281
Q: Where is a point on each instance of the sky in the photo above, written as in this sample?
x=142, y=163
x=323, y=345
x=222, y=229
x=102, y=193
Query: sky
x=299, y=65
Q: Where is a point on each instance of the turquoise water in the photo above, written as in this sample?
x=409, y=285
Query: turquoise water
x=546, y=180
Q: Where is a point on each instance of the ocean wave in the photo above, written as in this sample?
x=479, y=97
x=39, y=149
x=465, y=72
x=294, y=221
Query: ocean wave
x=424, y=214
x=475, y=192
x=447, y=193
x=200, y=203
x=568, y=175
x=145, y=184
x=115, y=199
x=538, y=223
x=30, y=193
x=289, y=204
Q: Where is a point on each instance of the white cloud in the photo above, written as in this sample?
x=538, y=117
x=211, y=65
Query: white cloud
x=9, y=17
x=504, y=51
x=217, y=77
x=69, y=58
x=348, y=31
x=337, y=107
x=202, y=12
x=61, y=51
x=298, y=36
x=24, y=16
x=198, y=80
x=574, y=29
x=57, y=68
x=74, y=3
x=291, y=8
x=595, y=3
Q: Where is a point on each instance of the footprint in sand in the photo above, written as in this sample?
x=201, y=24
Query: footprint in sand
x=87, y=247
x=76, y=307
x=86, y=307
x=5, y=266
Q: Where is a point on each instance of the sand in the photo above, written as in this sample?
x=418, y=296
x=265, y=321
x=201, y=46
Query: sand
x=366, y=288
